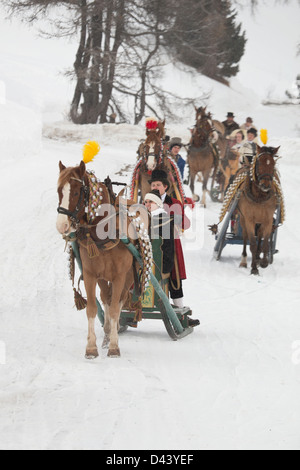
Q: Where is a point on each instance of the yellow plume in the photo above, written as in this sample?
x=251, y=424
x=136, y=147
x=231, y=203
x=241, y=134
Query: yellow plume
x=264, y=136
x=90, y=150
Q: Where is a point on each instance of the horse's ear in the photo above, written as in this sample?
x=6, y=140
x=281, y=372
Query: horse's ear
x=61, y=166
x=258, y=149
x=82, y=169
x=196, y=109
x=164, y=123
x=276, y=150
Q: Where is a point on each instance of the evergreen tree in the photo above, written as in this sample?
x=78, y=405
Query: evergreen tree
x=205, y=36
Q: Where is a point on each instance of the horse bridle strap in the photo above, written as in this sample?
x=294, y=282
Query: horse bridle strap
x=83, y=197
x=265, y=175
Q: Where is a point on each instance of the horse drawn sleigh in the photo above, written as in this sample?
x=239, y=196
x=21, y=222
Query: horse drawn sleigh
x=112, y=247
x=209, y=153
x=253, y=210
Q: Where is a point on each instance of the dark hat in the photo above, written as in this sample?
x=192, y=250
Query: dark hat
x=230, y=115
x=159, y=175
x=174, y=142
x=252, y=131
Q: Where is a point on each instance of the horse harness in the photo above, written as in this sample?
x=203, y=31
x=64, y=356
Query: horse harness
x=90, y=199
x=83, y=198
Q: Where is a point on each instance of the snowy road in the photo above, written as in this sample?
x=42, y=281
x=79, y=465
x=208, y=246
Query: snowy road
x=234, y=383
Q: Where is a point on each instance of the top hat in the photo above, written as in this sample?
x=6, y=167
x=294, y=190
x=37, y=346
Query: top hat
x=252, y=131
x=230, y=115
x=159, y=175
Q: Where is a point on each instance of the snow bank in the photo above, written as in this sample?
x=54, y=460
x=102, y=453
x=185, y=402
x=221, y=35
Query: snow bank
x=20, y=130
x=2, y=92
x=103, y=133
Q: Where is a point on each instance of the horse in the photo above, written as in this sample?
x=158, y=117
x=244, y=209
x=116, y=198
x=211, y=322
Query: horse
x=105, y=261
x=153, y=155
x=259, y=198
x=202, y=157
x=228, y=167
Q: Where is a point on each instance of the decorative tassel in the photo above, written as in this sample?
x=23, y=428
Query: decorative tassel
x=80, y=302
x=214, y=229
x=91, y=247
x=138, y=310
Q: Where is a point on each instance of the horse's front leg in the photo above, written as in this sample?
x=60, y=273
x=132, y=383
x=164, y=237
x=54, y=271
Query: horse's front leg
x=192, y=186
x=253, y=248
x=204, y=188
x=91, y=311
x=243, y=263
x=114, y=316
x=266, y=245
x=105, y=293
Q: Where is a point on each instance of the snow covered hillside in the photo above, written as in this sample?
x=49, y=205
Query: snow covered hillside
x=235, y=382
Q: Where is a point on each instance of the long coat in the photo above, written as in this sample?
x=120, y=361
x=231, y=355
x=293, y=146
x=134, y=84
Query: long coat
x=181, y=223
x=162, y=226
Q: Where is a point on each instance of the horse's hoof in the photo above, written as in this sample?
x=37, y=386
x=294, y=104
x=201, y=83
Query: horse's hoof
x=91, y=354
x=196, y=198
x=264, y=263
x=255, y=271
x=243, y=265
x=114, y=352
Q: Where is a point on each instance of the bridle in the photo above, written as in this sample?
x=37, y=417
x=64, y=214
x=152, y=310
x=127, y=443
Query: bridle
x=158, y=156
x=82, y=203
x=257, y=177
x=201, y=130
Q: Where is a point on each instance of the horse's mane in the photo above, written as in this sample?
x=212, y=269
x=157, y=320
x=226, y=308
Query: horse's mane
x=66, y=174
x=266, y=149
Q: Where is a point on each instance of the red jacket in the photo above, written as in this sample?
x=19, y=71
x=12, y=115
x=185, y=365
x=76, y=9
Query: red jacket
x=181, y=223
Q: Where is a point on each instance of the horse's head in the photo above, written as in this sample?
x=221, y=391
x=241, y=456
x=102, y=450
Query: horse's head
x=73, y=196
x=152, y=146
x=264, y=167
x=204, y=131
x=200, y=112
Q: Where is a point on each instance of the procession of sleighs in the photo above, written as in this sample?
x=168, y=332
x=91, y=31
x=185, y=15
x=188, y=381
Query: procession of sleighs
x=130, y=246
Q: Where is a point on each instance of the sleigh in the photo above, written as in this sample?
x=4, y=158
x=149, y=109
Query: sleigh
x=155, y=302
x=231, y=231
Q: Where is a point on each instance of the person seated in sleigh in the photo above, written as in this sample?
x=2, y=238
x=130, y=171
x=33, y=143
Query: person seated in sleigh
x=174, y=208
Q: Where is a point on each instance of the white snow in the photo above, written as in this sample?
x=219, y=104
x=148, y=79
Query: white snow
x=235, y=382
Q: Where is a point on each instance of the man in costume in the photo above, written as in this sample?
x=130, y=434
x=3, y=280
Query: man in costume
x=174, y=148
x=230, y=124
x=159, y=181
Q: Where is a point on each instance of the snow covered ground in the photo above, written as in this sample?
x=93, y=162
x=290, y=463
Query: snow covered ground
x=233, y=384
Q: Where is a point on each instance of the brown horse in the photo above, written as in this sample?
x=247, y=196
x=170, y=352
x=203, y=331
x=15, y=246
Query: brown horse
x=106, y=263
x=260, y=196
x=153, y=156
x=228, y=167
x=201, y=155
